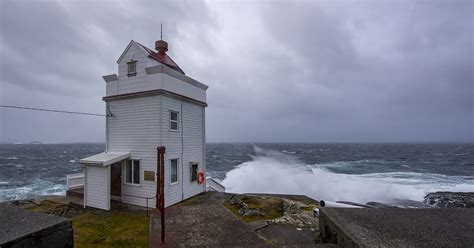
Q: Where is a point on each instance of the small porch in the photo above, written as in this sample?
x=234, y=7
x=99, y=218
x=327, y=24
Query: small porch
x=101, y=181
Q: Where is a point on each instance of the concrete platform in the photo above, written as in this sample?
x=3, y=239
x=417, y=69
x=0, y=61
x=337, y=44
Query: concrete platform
x=23, y=228
x=391, y=227
x=204, y=221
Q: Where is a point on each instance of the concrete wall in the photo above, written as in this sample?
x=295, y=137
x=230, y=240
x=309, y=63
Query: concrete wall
x=24, y=228
x=60, y=236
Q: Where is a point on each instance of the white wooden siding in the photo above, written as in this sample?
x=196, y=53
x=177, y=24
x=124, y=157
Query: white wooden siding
x=139, y=125
x=139, y=82
x=134, y=128
x=143, y=82
x=191, y=132
x=97, y=187
x=111, y=88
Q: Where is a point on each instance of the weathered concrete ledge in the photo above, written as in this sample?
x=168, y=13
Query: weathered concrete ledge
x=22, y=228
x=394, y=227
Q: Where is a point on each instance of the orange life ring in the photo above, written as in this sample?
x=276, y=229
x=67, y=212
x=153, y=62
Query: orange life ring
x=200, y=178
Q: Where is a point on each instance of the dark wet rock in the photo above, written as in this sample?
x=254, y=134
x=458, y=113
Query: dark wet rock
x=245, y=211
x=297, y=214
x=292, y=207
x=380, y=205
x=236, y=200
x=405, y=203
x=450, y=199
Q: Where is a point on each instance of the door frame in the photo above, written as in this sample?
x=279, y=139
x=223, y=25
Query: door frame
x=118, y=167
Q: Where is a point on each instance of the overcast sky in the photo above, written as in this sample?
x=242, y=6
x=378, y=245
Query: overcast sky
x=278, y=71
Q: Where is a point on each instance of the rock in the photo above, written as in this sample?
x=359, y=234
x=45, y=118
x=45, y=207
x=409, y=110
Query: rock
x=244, y=210
x=450, y=199
x=236, y=200
x=380, y=205
x=250, y=212
x=292, y=207
x=295, y=214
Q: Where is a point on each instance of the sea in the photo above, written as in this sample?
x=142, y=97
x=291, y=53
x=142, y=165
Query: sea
x=361, y=173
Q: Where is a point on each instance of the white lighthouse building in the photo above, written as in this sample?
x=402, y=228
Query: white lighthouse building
x=150, y=103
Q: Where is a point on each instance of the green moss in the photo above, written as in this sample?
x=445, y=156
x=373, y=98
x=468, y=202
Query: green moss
x=271, y=208
x=310, y=207
x=97, y=228
x=110, y=229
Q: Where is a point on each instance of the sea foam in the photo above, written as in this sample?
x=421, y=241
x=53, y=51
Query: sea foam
x=274, y=172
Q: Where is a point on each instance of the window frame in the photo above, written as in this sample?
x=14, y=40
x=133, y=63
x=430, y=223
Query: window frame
x=171, y=171
x=133, y=172
x=191, y=172
x=174, y=121
x=129, y=64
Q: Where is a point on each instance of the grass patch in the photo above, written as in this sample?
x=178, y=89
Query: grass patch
x=109, y=229
x=97, y=228
x=271, y=208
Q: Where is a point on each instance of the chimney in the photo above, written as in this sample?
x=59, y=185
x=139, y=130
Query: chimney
x=161, y=46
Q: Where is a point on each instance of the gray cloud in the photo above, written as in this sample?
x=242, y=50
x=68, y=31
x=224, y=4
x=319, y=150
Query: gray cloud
x=305, y=71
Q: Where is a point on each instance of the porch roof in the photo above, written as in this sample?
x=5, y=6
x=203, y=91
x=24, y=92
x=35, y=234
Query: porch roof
x=105, y=158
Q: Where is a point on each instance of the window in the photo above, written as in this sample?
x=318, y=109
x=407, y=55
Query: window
x=132, y=172
x=132, y=68
x=173, y=121
x=174, y=171
x=194, y=172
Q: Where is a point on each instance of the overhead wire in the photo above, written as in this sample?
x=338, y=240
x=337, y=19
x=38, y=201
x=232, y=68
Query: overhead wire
x=51, y=110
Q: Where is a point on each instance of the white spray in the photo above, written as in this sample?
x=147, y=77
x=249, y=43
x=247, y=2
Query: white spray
x=274, y=172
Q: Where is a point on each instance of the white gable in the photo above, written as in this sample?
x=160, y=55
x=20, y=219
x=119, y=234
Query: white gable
x=137, y=49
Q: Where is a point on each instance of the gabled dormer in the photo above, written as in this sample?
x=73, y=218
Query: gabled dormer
x=142, y=70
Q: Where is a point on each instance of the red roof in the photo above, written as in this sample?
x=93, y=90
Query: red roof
x=162, y=57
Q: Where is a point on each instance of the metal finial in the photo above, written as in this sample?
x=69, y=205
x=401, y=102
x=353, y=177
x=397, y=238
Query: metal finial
x=161, y=36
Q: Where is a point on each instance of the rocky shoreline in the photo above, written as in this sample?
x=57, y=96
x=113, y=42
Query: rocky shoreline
x=450, y=199
x=440, y=199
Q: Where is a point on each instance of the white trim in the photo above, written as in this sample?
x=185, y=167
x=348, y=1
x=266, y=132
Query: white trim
x=177, y=171
x=204, y=147
x=84, y=197
x=133, y=173
x=191, y=171
x=131, y=63
x=104, y=158
x=128, y=47
x=173, y=73
x=110, y=78
x=174, y=121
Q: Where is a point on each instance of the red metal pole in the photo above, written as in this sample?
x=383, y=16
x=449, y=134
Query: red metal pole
x=160, y=188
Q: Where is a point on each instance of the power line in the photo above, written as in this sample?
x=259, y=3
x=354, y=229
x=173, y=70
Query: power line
x=50, y=110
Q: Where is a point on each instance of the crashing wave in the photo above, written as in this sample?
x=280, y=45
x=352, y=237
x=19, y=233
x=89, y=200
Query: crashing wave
x=274, y=172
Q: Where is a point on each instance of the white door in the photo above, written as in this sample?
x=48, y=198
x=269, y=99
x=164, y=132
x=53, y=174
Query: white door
x=97, y=187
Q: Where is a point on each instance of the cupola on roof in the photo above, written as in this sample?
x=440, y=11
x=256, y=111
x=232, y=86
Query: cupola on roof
x=160, y=55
